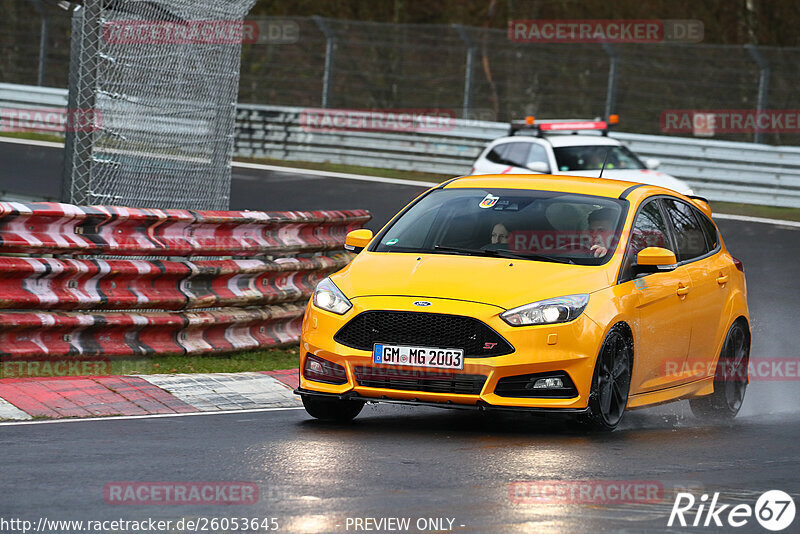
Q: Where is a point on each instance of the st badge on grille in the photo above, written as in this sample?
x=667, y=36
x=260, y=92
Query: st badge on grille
x=422, y=303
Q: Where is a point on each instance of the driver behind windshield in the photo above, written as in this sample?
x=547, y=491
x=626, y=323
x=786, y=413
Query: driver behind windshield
x=500, y=234
x=601, y=223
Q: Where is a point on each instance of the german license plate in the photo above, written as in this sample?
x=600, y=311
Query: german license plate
x=418, y=356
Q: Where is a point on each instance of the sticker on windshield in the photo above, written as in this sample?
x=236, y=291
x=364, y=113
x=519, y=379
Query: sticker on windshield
x=392, y=242
x=488, y=201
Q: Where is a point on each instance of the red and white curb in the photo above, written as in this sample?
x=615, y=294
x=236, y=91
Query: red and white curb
x=98, y=396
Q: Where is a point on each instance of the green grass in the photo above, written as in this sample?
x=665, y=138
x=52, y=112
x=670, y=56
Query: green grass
x=257, y=360
x=752, y=210
x=262, y=360
x=34, y=136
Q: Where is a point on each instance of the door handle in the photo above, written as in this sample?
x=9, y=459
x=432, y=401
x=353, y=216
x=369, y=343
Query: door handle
x=722, y=279
x=683, y=290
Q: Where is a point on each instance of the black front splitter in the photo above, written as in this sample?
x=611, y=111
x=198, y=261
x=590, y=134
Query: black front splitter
x=479, y=406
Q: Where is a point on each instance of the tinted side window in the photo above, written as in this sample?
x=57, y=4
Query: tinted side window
x=689, y=236
x=518, y=153
x=649, y=230
x=538, y=153
x=712, y=239
x=496, y=155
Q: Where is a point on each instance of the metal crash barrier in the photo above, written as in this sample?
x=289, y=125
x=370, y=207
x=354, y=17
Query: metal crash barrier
x=723, y=171
x=221, y=280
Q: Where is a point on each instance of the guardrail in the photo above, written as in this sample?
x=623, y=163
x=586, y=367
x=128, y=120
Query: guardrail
x=719, y=170
x=243, y=298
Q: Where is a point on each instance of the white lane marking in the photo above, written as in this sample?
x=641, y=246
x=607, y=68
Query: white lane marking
x=225, y=391
x=149, y=416
x=329, y=174
x=9, y=411
x=764, y=220
x=32, y=142
x=54, y=144
x=379, y=179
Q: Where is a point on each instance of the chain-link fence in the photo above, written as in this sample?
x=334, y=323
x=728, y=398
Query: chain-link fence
x=159, y=79
x=480, y=73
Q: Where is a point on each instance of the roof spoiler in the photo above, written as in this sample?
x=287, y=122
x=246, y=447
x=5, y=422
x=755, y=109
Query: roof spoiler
x=702, y=203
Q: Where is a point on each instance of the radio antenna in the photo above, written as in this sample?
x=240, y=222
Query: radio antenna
x=604, y=162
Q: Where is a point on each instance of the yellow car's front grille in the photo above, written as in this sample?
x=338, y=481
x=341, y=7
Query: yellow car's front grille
x=437, y=330
x=417, y=380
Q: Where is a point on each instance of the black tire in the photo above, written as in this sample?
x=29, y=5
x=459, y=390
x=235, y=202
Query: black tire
x=331, y=409
x=611, y=382
x=730, y=378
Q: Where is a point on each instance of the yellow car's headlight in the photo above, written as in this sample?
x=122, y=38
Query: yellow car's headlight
x=549, y=311
x=328, y=297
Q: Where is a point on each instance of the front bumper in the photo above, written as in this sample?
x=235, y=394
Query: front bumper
x=479, y=405
x=570, y=347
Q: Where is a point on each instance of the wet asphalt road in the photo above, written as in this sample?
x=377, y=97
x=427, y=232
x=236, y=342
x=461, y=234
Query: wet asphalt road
x=35, y=171
x=397, y=462
x=422, y=462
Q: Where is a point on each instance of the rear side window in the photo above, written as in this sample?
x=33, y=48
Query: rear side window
x=710, y=231
x=497, y=154
x=538, y=154
x=649, y=230
x=690, y=237
x=518, y=154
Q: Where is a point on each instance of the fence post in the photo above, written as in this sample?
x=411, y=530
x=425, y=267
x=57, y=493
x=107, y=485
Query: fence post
x=83, y=65
x=462, y=32
x=43, y=37
x=611, y=90
x=330, y=52
x=763, y=87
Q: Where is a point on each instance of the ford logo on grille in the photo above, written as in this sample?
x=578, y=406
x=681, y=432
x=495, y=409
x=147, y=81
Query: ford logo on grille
x=422, y=303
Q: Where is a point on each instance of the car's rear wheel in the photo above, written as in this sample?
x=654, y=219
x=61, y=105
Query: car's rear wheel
x=611, y=383
x=730, y=378
x=331, y=409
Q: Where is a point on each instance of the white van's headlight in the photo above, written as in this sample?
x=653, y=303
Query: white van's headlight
x=328, y=297
x=550, y=311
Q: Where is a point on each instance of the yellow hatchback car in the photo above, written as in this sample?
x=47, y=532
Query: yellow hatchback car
x=557, y=294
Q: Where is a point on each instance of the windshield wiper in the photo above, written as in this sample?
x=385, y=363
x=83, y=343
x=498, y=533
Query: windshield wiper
x=504, y=253
x=531, y=256
x=469, y=251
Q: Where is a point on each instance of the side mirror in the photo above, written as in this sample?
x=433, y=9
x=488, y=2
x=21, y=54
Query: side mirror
x=652, y=163
x=356, y=240
x=655, y=260
x=538, y=166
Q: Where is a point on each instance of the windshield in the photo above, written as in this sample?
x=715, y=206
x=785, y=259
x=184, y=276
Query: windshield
x=513, y=223
x=590, y=157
